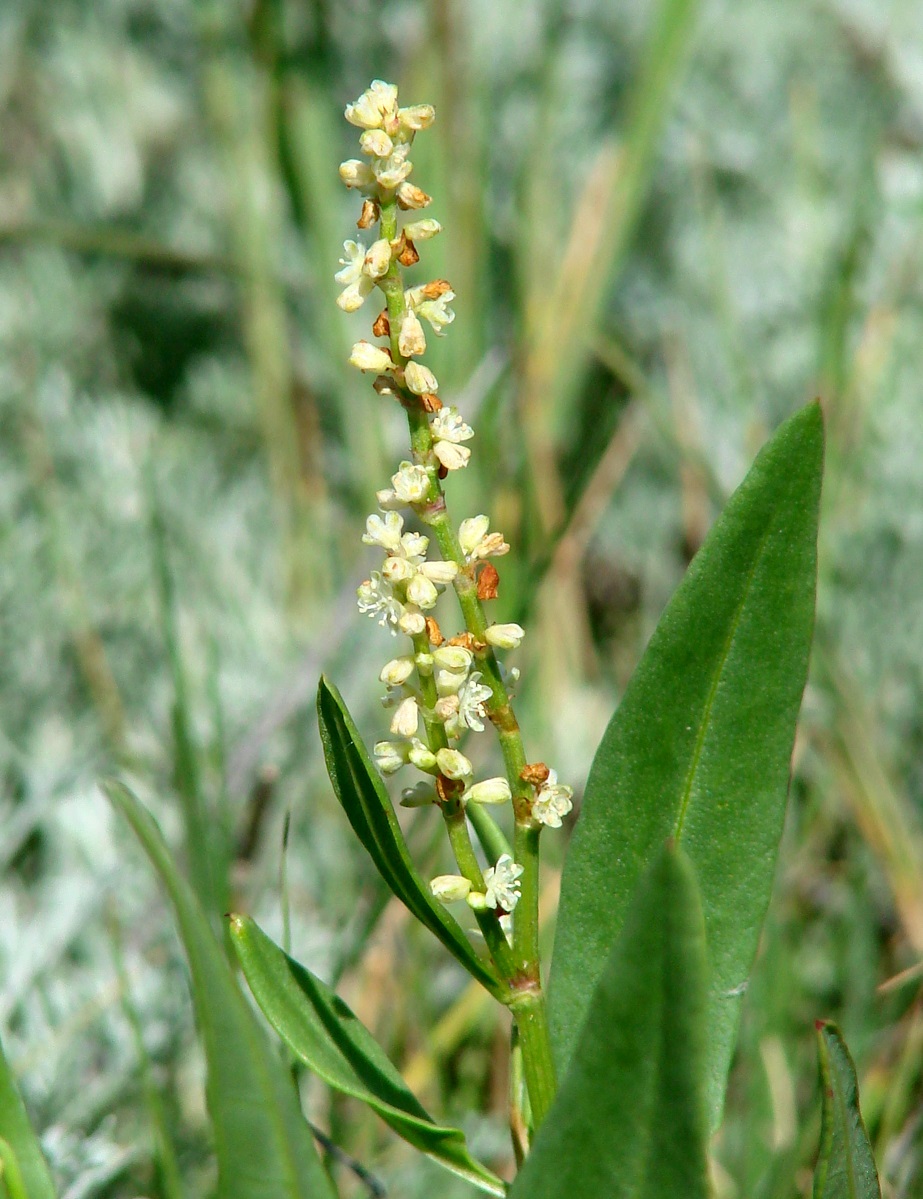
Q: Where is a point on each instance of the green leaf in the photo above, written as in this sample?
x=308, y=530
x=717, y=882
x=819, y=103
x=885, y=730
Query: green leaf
x=700, y=747
x=263, y=1144
x=629, y=1119
x=322, y=1032
x=24, y=1172
x=24, y=1165
x=368, y=808
x=845, y=1166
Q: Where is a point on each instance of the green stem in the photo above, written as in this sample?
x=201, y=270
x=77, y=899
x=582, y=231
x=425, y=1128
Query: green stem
x=519, y=965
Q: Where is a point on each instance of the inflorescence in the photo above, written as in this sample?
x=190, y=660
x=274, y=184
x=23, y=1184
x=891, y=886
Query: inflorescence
x=437, y=691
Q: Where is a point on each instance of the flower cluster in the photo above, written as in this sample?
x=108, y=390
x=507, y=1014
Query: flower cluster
x=439, y=690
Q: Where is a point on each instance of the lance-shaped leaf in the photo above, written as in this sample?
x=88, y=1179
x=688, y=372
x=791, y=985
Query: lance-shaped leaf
x=322, y=1031
x=700, y=746
x=368, y=808
x=263, y=1144
x=629, y=1119
x=845, y=1165
x=24, y=1167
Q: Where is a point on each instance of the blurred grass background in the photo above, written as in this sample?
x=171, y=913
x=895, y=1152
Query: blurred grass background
x=669, y=225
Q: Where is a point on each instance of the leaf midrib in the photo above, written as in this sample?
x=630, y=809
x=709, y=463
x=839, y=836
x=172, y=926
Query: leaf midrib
x=702, y=732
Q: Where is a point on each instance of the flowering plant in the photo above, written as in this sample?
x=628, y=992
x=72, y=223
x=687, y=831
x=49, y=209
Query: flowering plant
x=618, y=1072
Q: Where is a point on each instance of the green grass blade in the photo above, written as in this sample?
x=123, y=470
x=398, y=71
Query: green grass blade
x=263, y=1144
x=366, y=803
x=700, y=746
x=845, y=1166
x=25, y=1172
x=321, y=1031
x=629, y=1120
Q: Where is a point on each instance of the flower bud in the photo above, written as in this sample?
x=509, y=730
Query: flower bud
x=439, y=572
x=419, y=378
x=398, y=570
x=389, y=757
x=422, y=230
x=410, y=196
x=397, y=671
x=376, y=106
x=421, y=756
x=367, y=357
x=412, y=622
x=406, y=719
x=422, y=592
x=477, y=901
x=376, y=143
x=446, y=708
x=411, y=340
x=489, y=791
x=453, y=657
x=356, y=173
x=471, y=531
x=378, y=259
x=452, y=456
x=420, y=795
x=453, y=765
x=449, y=888
x=505, y=636
x=424, y=665
x=416, y=117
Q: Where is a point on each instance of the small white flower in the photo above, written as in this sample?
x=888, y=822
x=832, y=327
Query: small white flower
x=411, y=196
x=420, y=379
x=477, y=542
x=435, y=310
x=422, y=757
x=448, y=425
x=367, y=357
x=453, y=765
x=386, y=533
x=553, y=802
x=416, y=117
x=412, y=622
x=406, y=719
x=356, y=173
x=376, y=143
x=452, y=457
x=390, y=756
x=376, y=597
x=489, y=791
x=422, y=230
x=411, y=339
x=502, y=883
x=375, y=108
x=449, y=888
x=454, y=658
x=414, y=545
x=420, y=795
x=378, y=259
x=397, y=671
x=422, y=592
x=471, y=700
x=505, y=636
x=393, y=170
x=356, y=284
x=411, y=483
x=441, y=573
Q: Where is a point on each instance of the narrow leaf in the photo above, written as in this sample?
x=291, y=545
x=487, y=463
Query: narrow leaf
x=699, y=749
x=629, y=1119
x=845, y=1166
x=23, y=1162
x=263, y=1144
x=322, y=1032
x=368, y=808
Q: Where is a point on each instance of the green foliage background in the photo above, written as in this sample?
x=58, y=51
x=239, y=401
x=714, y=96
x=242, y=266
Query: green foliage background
x=661, y=248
